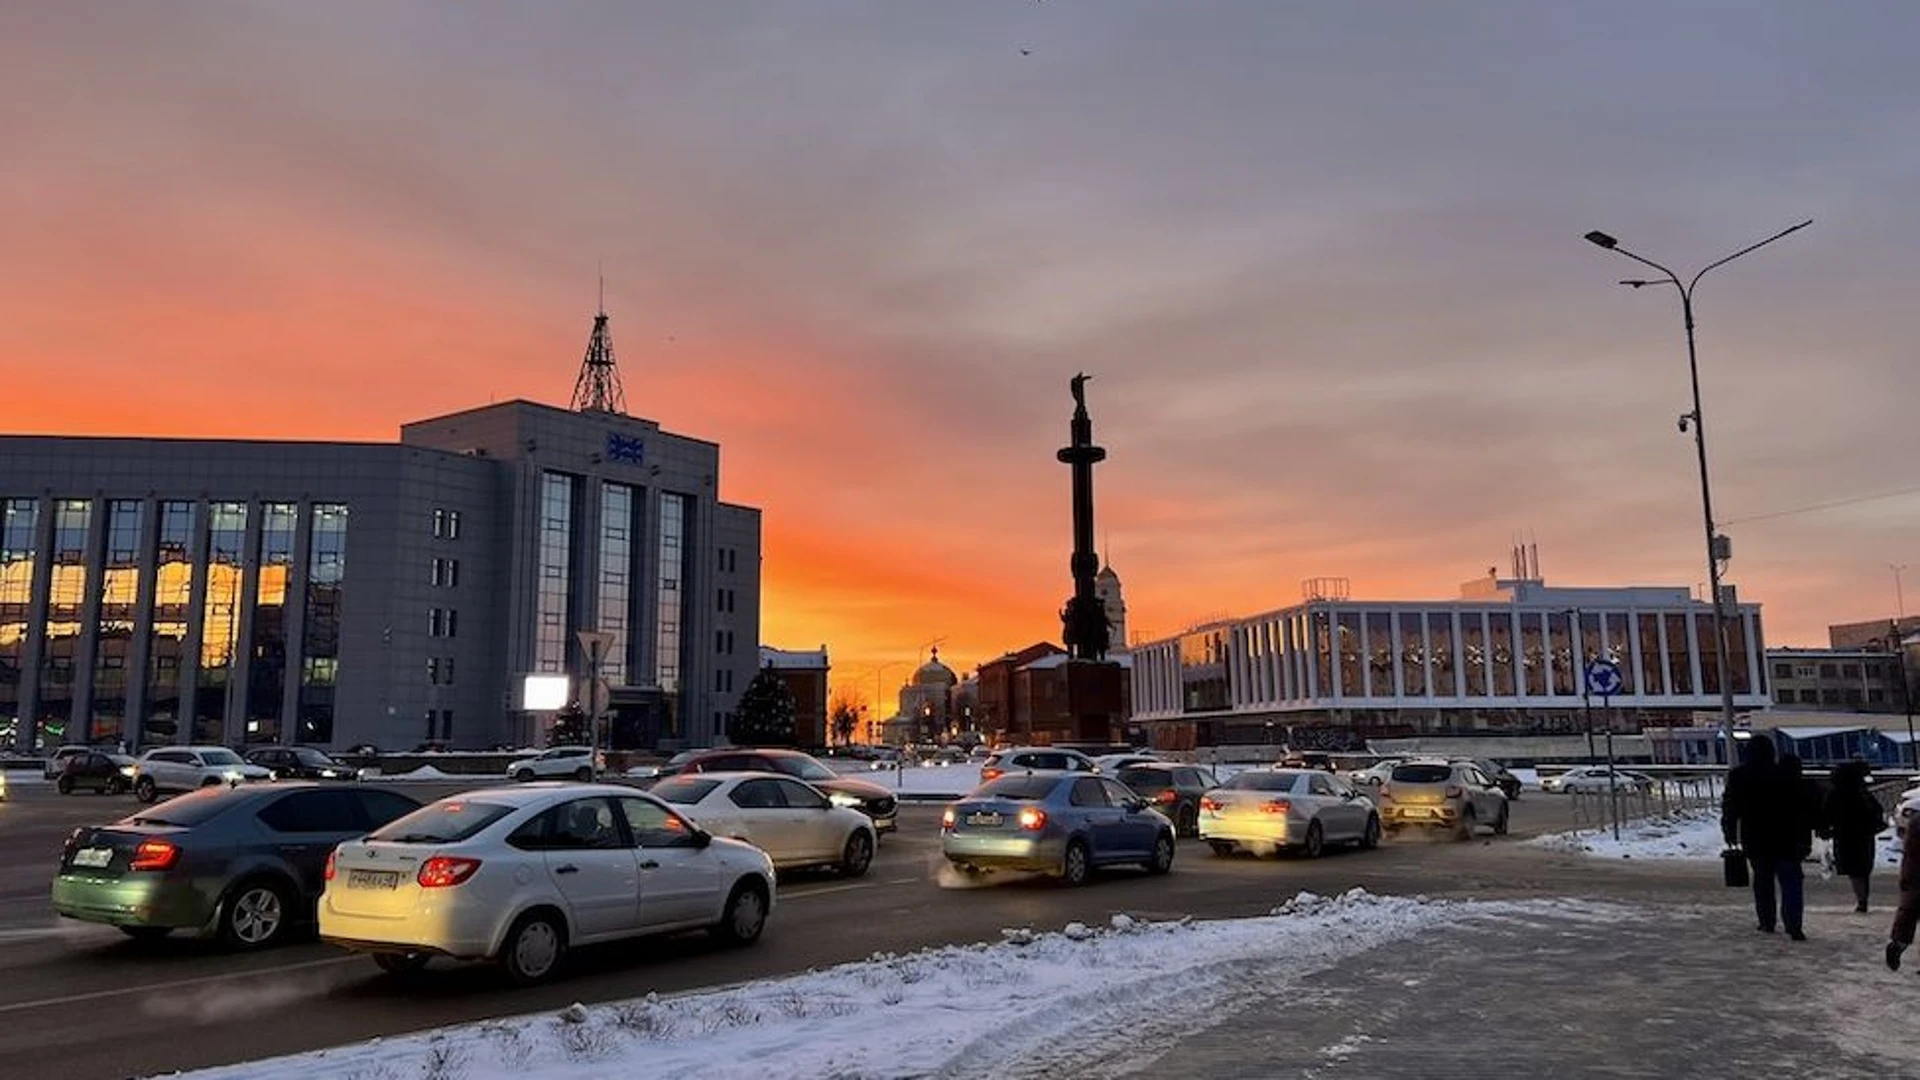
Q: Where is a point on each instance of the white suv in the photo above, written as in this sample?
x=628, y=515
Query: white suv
x=559, y=763
x=173, y=769
x=57, y=761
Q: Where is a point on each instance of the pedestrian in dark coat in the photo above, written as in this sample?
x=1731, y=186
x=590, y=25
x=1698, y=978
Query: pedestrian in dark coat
x=1908, y=914
x=1764, y=813
x=1852, y=819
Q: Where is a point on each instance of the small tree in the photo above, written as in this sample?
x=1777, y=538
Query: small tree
x=570, y=727
x=843, y=716
x=765, y=714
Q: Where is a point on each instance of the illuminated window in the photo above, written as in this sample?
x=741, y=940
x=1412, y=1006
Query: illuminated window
x=65, y=600
x=173, y=568
x=551, y=614
x=19, y=520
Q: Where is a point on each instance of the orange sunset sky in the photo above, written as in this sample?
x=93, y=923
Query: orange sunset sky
x=1325, y=265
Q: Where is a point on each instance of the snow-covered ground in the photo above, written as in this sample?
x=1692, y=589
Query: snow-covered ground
x=1693, y=835
x=1075, y=996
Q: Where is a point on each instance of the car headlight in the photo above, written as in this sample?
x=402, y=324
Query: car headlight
x=841, y=798
x=329, y=774
x=129, y=770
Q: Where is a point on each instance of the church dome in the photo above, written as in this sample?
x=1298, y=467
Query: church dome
x=1106, y=574
x=935, y=673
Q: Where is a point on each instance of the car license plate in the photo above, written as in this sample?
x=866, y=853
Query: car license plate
x=373, y=879
x=983, y=819
x=93, y=857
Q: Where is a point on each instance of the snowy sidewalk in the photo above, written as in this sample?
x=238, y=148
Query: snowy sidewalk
x=1672, y=992
x=1693, y=836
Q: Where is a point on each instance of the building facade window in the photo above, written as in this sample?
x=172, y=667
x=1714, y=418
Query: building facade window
x=445, y=573
x=1619, y=649
x=1679, y=661
x=446, y=524
x=616, y=577
x=119, y=613
x=173, y=569
x=219, y=619
x=673, y=577
x=1473, y=651
x=554, y=586
x=1440, y=644
x=320, y=640
x=267, y=654
x=66, y=598
x=19, y=522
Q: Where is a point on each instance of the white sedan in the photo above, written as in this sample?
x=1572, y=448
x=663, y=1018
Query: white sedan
x=559, y=763
x=793, y=822
x=519, y=875
x=1593, y=780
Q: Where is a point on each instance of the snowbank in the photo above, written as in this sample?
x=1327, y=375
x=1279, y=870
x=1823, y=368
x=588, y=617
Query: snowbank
x=1680, y=836
x=421, y=774
x=1693, y=835
x=980, y=1010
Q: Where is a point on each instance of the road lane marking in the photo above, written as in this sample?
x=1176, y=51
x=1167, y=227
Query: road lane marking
x=176, y=984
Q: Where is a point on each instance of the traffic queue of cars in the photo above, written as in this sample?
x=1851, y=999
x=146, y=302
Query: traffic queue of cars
x=520, y=873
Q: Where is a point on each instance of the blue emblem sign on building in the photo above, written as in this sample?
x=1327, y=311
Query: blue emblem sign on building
x=622, y=448
x=1603, y=678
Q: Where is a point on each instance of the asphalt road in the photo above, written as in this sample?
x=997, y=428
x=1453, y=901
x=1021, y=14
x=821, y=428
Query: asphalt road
x=79, y=1001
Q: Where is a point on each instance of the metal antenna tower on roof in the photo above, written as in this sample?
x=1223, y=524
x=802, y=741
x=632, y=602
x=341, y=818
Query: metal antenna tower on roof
x=598, y=387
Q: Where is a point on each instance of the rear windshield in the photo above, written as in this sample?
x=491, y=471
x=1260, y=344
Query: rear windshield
x=220, y=757
x=1261, y=781
x=311, y=757
x=684, y=790
x=446, y=822
x=1422, y=774
x=1146, y=777
x=192, y=808
x=1019, y=787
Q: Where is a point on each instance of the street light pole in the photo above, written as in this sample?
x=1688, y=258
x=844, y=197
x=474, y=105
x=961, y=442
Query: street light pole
x=1899, y=592
x=1718, y=549
x=1899, y=644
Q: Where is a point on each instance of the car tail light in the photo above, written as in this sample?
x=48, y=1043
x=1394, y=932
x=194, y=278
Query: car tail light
x=1033, y=819
x=332, y=858
x=1210, y=803
x=991, y=774
x=1166, y=796
x=445, y=871
x=1276, y=806
x=154, y=855
x=1455, y=791
x=946, y=818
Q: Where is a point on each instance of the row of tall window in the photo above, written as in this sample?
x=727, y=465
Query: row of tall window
x=188, y=642
x=1348, y=653
x=621, y=507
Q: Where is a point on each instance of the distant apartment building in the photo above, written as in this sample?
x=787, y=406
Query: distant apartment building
x=1506, y=657
x=1836, y=680
x=805, y=676
x=1033, y=696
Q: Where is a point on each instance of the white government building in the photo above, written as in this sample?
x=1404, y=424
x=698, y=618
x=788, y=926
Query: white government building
x=1504, y=657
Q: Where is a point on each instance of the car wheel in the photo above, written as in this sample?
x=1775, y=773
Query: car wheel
x=745, y=915
x=64, y=785
x=144, y=790
x=1467, y=824
x=534, y=947
x=401, y=963
x=858, y=854
x=1316, y=840
x=146, y=933
x=1076, y=865
x=1370, y=838
x=255, y=915
x=1189, y=824
x=1500, y=823
x=1221, y=847
x=583, y=774
x=1162, y=855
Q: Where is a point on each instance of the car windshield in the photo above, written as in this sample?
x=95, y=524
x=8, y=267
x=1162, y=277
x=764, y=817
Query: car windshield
x=1261, y=781
x=1019, y=787
x=306, y=756
x=805, y=768
x=446, y=822
x=1422, y=774
x=221, y=757
x=187, y=810
x=684, y=790
x=1146, y=777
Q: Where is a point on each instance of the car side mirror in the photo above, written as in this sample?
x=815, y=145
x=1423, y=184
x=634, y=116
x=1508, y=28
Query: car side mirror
x=702, y=839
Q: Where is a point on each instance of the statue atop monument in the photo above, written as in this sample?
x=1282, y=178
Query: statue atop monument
x=1084, y=618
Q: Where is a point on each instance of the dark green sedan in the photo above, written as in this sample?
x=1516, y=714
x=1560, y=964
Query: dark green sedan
x=242, y=864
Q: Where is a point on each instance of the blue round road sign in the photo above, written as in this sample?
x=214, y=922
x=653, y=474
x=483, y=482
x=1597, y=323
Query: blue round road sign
x=1603, y=678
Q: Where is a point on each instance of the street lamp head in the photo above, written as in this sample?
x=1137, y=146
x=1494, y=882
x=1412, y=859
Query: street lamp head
x=1638, y=283
x=1601, y=239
